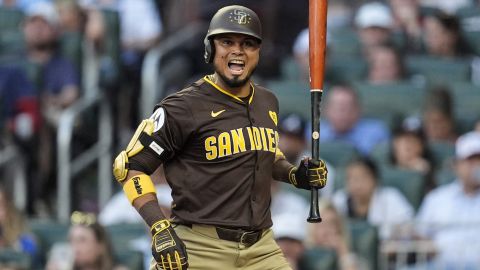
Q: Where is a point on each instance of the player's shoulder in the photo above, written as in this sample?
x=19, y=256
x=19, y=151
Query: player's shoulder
x=262, y=90
x=189, y=93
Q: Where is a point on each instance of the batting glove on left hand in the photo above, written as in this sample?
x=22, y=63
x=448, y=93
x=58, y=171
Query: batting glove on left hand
x=310, y=173
x=167, y=248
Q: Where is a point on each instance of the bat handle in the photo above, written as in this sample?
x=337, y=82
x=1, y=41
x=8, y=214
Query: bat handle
x=314, y=216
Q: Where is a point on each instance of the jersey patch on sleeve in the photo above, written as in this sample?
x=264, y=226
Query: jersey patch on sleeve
x=159, y=119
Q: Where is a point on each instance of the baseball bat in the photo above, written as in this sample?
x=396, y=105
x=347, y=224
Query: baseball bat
x=317, y=23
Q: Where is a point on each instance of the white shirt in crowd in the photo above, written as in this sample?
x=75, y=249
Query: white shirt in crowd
x=388, y=207
x=452, y=220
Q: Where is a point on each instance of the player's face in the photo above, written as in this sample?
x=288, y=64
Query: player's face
x=236, y=57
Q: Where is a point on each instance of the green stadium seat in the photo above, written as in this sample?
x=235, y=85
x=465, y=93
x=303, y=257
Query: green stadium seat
x=439, y=71
x=396, y=99
x=470, y=21
x=364, y=241
x=10, y=19
x=131, y=259
x=293, y=97
x=410, y=183
x=318, y=258
x=343, y=69
x=445, y=174
x=442, y=152
x=48, y=233
x=122, y=234
x=381, y=154
x=344, y=42
x=111, y=64
x=11, y=259
x=337, y=153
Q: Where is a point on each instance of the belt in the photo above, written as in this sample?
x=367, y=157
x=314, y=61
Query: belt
x=246, y=238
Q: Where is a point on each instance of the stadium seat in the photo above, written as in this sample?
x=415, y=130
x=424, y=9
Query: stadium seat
x=396, y=99
x=293, y=96
x=364, y=237
x=111, y=64
x=439, y=71
x=48, y=233
x=318, y=258
x=343, y=69
x=410, y=183
x=470, y=21
x=445, y=174
x=12, y=259
x=344, y=42
x=122, y=234
x=11, y=36
x=441, y=152
x=337, y=153
x=131, y=259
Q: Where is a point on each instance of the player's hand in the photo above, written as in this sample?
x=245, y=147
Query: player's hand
x=310, y=173
x=167, y=249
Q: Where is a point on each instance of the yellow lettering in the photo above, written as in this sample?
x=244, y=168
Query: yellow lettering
x=276, y=139
x=238, y=141
x=211, y=148
x=264, y=139
x=271, y=139
x=252, y=142
x=257, y=138
x=224, y=145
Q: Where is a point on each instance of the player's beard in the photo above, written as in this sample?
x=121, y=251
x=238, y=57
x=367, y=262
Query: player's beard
x=235, y=81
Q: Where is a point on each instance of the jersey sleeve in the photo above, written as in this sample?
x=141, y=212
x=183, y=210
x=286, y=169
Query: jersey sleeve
x=173, y=126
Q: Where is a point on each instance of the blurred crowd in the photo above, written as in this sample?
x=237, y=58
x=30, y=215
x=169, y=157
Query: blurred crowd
x=400, y=124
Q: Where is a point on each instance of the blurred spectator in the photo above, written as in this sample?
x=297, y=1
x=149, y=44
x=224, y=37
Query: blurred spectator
x=13, y=229
x=364, y=198
x=287, y=202
x=292, y=142
x=292, y=137
x=450, y=214
x=385, y=65
x=332, y=233
x=24, y=5
x=442, y=36
x=437, y=118
x=71, y=16
x=447, y=6
x=56, y=79
x=119, y=210
x=408, y=21
x=88, y=248
x=374, y=24
x=410, y=151
x=290, y=231
x=19, y=109
x=343, y=121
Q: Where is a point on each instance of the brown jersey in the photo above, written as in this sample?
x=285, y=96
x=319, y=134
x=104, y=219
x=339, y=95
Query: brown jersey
x=218, y=153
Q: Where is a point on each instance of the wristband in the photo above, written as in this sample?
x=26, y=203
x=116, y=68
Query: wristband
x=159, y=226
x=138, y=186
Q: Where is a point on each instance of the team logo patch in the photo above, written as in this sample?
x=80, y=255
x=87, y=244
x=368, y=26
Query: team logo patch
x=240, y=16
x=273, y=115
x=159, y=119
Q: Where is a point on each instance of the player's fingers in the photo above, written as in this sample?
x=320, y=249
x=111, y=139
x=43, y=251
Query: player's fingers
x=163, y=259
x=178, y=261
x=170, y=263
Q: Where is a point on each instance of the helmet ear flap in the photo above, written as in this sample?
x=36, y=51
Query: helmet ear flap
x=209, y=50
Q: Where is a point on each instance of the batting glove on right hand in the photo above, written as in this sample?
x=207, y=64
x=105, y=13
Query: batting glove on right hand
x=310, y=173
x=167, y=248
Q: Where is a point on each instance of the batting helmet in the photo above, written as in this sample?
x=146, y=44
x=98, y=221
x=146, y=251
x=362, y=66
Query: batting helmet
x=231, y=19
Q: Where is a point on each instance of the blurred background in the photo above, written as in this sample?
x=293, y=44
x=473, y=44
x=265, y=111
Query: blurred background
x=400, y=127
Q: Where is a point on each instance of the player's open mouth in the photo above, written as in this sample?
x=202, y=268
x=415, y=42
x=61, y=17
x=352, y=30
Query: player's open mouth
x=236, y=66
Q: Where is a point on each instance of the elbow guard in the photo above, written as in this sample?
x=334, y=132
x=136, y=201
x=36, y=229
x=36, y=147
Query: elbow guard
x=141, y=139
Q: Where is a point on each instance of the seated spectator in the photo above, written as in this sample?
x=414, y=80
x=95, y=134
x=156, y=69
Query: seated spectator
x=385, y=65
x=443, y=37
x=374, y=23
x=364, y=198
x=450, y=214
x=409, y=150
x=88, y=248
x=119, y=210
x=332, y=233
x=438, y=120
x=290, y=231
x=408, y=22
x=14, y=233
x=343, y=121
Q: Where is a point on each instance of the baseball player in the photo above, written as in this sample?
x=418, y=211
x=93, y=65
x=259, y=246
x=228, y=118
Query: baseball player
x=217, y=140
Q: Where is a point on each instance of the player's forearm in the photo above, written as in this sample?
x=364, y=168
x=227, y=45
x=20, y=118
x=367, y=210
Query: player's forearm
x=146, y=205
x=281, y=170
